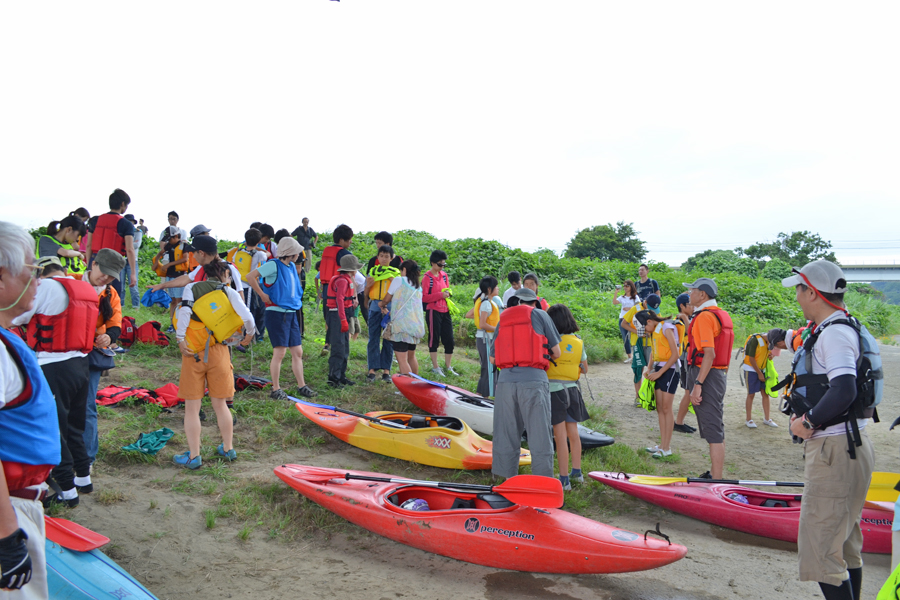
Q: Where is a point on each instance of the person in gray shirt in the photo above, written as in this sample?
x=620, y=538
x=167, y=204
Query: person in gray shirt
x=525, y=341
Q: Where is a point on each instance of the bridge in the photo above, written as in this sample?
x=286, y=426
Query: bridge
x=867, y=273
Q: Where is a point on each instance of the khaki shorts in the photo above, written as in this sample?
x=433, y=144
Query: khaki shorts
x=217, y=374
x=711, y=411
x=830, y=539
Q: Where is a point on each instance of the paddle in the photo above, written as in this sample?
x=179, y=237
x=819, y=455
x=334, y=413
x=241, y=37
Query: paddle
x=350, y=412
x=881, y=489
x=72, y=535
x=531, y=490
x=467, y=397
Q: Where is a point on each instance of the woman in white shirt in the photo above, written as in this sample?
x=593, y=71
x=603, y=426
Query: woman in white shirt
x=626, y=301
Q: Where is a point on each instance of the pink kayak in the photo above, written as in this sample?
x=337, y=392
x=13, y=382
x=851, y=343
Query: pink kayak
x=766, y=514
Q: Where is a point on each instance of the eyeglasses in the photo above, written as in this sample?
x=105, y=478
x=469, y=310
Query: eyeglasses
x=36, y=271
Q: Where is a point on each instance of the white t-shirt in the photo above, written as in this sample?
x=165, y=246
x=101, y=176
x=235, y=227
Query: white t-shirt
x=11, y=382
x=51, y=299
x=235, y=276
x=508, y=294
x=395, y=285
x=359, y=281
x=834, y=354
x=626, y=304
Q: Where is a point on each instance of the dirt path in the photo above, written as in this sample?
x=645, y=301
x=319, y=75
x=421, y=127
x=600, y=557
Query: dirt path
x=160, y=536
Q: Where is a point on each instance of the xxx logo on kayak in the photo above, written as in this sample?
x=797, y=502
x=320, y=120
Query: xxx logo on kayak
x=438, y=441
x=472, y=525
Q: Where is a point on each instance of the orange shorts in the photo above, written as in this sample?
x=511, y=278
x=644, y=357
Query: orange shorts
x=217, y=374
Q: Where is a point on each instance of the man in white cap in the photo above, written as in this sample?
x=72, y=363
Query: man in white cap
x=836, y=480
x=710, y=337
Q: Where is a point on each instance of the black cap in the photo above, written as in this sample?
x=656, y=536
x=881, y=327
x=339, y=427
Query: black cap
x=205, y=244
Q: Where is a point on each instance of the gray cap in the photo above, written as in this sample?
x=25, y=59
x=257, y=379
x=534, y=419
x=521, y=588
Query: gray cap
x=199, y=230
x=526, y=295
x=776, y=335
x=170, y=231
x=822, y=275
x=349, y=263
x=110, y=262
x=704, y=284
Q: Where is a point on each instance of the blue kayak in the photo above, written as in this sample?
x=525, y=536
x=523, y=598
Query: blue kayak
x=73, y=575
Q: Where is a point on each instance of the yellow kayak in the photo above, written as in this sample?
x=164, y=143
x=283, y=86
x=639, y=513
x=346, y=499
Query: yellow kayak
x=435, y=441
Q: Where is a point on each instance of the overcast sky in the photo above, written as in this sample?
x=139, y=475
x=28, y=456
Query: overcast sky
x=707, y=125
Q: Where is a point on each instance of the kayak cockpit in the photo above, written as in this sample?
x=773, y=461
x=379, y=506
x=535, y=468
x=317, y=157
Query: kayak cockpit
x=444, y=500
x=761, y=500
x=423, y=421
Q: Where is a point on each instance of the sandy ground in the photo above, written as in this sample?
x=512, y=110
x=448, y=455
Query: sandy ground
x=191, y=561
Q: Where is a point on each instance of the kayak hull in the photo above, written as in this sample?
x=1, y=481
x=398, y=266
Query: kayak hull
x=476, y=411
x=73, y=575
x=515, y=537
x=440, y=441
x=709, y=502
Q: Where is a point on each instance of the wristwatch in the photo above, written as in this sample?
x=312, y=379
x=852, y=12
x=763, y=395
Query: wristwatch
x=698, y=383
x=806, y=423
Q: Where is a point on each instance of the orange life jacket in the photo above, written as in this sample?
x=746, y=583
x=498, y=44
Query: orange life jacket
x=723, y=342
x=106, y=234
x=517, y=344
x=72, y=329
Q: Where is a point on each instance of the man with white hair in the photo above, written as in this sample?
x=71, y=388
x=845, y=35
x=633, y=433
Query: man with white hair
x=30, y=434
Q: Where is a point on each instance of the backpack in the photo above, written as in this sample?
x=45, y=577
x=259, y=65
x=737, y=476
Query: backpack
x=151, y=333
x=126, y=338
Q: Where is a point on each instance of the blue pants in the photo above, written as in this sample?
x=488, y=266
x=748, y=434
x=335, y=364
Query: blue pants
x=378, y=360
x=91, y=436
x=125, y=278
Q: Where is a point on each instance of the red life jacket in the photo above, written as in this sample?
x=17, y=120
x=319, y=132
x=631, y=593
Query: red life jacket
x=517, y=344
x=201, y=276
x=114, y=394
x=544, y=305
x=329, y=266
x=106, y=234
x=72, y=329
x=331, y=301
x=151, y=333
x=722, y=344
x=126, y=337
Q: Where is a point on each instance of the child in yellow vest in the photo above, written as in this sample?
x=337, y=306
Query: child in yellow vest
x=567, y=407
x=665, y=345
x=756, y=355
x=486, y=314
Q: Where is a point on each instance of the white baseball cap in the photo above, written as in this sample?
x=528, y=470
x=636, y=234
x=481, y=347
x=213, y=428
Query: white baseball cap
x=822, y=275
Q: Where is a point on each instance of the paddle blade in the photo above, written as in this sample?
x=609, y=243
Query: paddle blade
x=73, y=536
x=653, y=480
x=314, y=474
x=536, y=491
x=882, y=487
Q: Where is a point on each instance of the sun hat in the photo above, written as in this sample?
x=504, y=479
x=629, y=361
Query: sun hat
x=704, y=284
x=822, y=275
x=46, y=261
x=348, y=263
x=110, y=262
x=526, y=295
x=289, y=247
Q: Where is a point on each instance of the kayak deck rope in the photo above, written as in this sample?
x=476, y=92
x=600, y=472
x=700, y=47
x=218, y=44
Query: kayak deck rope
x=657, y=532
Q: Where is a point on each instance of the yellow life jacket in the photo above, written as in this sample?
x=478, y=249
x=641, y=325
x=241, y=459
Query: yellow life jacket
x=762, y=351
x=213, y=320
x=163, y=267
x=568, y=365
x=379, y=289
x=659, y=343
x=242, y=259
x=492, y=319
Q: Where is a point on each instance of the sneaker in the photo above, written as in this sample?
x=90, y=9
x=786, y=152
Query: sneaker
x=84, y=489
x=706, y=475
x=661, y=454
x=307, y=392
x=120, y=350
x=324, y=351
x=241, y=349
x=57, y=499
x=576, y=477
x=751, y=424
x=683, y=428
x=278, y=395
x=185, y=460
x=627, y=360
x=371, y=377
x=452, y=372
x=345, y=381
x=229, y=456
x=438, y=372
x=335, y=384
x=170, y=329
x=653, y=449
x=564, y=480
x=770, y=423
x=202, y=416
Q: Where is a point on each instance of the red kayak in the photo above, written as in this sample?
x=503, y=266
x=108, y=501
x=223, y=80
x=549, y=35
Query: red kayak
x=767, y=514
x=484, y=529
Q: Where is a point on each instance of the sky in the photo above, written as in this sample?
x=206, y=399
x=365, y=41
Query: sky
x=705, y=124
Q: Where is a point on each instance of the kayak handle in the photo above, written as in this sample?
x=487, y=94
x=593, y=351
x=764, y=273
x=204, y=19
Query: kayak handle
x=657, y=532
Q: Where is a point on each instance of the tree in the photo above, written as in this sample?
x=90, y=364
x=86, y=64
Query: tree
x=607, y=243
x=721, y=261
x=797, y=249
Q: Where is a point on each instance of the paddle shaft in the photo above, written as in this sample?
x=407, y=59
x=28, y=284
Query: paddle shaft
x=745, y=482
x=354, y=414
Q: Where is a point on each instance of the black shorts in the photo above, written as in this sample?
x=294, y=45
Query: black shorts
x=668, y=383
x=567, y=405
x=403, y=347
